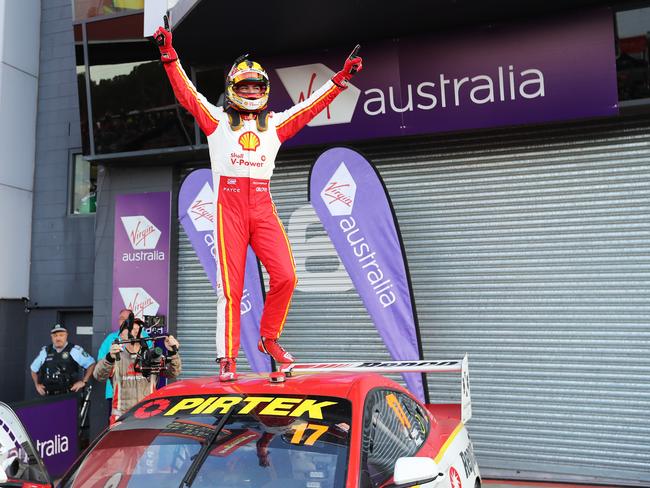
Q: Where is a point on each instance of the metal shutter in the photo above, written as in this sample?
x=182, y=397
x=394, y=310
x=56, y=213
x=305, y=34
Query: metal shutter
x=529, y=248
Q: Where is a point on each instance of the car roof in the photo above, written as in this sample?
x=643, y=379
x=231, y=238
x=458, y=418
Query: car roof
x=343, y=385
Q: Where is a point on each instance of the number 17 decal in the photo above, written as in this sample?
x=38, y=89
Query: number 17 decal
x=300, y=430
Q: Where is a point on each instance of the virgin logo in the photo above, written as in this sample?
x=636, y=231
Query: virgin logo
x=310, y=89
x=201, y=210
x=138, y=300
x=339, y=192
x=141, y=232
x=336, y=192
x=302, y=81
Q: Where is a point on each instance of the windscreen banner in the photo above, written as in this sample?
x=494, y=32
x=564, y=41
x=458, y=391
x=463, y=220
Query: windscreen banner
x=500, y=75
x=141, y=254
x=197, y=214
x=52, y=425
x=351, y=201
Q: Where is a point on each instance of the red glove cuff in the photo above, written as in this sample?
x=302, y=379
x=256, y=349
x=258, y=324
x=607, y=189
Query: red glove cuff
x=168, y=55
x=341, y=80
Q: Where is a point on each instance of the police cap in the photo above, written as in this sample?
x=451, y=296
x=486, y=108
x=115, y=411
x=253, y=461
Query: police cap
x=58, y=328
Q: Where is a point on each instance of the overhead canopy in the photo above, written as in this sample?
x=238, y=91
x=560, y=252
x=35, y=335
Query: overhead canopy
x=213, y=30
x=208, y=32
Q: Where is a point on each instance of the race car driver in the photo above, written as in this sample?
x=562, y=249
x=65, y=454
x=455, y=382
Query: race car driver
x=243, y=140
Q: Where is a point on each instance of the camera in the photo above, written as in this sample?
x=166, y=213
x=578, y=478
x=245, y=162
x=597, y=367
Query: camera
x=150, y=361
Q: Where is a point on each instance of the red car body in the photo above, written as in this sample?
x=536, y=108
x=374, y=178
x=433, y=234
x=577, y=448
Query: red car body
x=445, y=419
x=446, y=440
x=352, y=430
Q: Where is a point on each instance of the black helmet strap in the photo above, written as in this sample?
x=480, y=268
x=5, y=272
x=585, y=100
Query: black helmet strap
x=234, y=119
x=262, y=120
x=236, y=122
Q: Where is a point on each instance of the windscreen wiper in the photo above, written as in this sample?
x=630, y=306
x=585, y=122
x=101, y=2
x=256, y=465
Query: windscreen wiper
x=200, y=458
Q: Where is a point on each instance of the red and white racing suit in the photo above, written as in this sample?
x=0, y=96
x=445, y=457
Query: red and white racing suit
x=242, y=165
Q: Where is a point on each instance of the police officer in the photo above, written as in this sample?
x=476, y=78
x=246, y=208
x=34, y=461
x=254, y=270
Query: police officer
x=56, y=368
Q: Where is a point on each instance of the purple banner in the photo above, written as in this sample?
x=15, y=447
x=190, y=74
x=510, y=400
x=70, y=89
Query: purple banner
x=196, y=214
x=349, y=198
x=141, y=254
x=52, y=425
x=551, y=70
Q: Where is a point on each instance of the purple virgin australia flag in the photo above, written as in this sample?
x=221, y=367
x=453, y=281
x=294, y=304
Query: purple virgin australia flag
x=196, y=214
x=141, y=254
x=351, y=202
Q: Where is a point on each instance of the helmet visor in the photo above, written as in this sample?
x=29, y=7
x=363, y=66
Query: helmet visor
x=252, y=76
x=250, y=89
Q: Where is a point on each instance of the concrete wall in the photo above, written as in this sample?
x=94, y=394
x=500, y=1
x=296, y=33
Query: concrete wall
x=62, y=245
x=19, y=45
x=13, y=337
x=19, y=68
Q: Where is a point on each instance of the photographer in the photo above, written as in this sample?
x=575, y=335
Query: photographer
x=56, y=368
x=134, y=368
x=105, y=347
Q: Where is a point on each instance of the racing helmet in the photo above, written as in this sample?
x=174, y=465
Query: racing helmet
x=245, y=70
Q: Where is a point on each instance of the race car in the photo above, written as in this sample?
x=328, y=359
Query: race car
x=329, y=425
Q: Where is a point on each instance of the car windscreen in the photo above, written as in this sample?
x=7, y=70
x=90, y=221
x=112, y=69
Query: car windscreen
x=230, y=440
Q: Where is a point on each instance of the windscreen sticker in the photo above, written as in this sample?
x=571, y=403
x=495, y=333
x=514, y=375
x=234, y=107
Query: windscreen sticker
x=257, y=405
x=151, y=409
x=394, y=404
x=191, y=430
x=236, y=440
x=315, y=431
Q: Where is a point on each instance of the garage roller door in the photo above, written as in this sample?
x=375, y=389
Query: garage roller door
x=530, y=250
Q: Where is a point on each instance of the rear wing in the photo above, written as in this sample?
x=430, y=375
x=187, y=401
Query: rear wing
x=383, y=367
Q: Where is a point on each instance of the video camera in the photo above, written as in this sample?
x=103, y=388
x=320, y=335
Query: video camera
x=149, y=360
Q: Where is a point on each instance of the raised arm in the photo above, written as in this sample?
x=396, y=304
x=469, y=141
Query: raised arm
x=183, y=88
x=104, y=368
x=289, y=122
